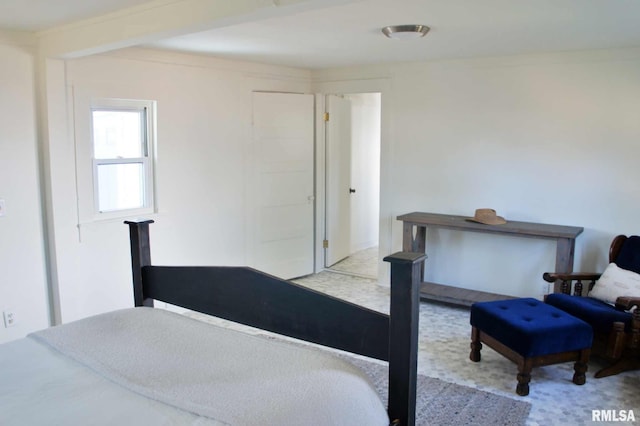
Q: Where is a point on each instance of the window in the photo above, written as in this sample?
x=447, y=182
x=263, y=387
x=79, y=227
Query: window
x=122, y=140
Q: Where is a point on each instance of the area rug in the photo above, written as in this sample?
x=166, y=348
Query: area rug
x=442, y=403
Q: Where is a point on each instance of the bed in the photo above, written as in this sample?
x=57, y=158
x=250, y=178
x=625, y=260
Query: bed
x=151, y=366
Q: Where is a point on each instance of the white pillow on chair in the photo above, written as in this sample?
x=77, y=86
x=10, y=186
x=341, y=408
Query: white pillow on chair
x=615, y=282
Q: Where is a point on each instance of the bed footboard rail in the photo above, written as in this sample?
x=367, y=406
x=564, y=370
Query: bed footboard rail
x=256, y=299
x=253, y=298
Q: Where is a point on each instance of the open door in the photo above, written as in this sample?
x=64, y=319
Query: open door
x=338, y=175
x=282, y=190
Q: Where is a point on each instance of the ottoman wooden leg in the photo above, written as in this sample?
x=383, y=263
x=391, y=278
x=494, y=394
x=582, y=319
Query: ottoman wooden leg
x=580, y=367
x=476, y=346
x=524, y=377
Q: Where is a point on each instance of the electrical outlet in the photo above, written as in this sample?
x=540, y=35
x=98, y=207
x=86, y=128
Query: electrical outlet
x=9, y=318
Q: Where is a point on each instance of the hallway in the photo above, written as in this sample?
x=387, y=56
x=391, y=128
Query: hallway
x=363, y=263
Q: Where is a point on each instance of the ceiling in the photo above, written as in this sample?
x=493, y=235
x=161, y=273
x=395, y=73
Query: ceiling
x=37, y=15
x=349, y=34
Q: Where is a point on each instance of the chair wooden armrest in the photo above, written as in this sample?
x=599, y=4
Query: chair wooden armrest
x=569, y=276
x=563, y=281
x=627, y=302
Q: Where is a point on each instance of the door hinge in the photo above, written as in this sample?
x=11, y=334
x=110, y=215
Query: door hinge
x=326, y=116
x=325, y=244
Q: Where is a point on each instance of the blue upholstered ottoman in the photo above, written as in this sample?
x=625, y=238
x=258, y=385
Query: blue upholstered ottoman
x=531, y=334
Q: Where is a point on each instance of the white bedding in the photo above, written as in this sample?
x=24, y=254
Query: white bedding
x=149, y=366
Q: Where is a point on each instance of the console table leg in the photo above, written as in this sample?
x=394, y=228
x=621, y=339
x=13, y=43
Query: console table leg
x=414, y=244
x=411, y=243
x=565, y=249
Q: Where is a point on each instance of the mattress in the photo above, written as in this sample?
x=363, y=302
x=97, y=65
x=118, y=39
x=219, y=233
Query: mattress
x=151, y=366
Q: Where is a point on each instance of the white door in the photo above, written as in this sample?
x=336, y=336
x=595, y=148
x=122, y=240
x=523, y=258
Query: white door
x=282, y=189
x=338, y=176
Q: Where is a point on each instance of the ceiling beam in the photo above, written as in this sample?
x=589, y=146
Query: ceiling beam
x=161, y=19
x=17, y=38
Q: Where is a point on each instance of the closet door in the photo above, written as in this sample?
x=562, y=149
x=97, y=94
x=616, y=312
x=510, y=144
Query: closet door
x=282, y=191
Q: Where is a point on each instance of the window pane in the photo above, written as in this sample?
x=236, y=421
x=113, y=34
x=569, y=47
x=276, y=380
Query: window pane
x=120, y=186
x=118, y=134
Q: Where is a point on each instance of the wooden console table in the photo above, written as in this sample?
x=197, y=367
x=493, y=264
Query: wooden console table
x=565, y=237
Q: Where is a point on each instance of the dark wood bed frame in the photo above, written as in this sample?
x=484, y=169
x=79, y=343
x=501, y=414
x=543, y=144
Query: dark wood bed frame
x=253, y=298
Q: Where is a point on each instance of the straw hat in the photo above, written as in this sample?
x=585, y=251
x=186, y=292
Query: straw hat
x=488, y=217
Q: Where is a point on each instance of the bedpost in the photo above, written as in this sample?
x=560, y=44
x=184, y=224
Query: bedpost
x=406, y=269
x=140, y=256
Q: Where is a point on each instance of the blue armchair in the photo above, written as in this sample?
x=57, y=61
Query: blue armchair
x=616, y=325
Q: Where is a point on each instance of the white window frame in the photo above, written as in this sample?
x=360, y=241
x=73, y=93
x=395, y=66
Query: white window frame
x=147, y=160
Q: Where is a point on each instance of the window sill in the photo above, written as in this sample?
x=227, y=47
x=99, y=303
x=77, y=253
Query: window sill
x=120, y=216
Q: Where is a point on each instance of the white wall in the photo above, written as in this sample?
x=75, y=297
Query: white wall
x=23, y=287
x=542, y=138
x=203, y=159
x=365, y=170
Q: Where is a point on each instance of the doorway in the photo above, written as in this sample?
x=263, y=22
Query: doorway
x=352, y=131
